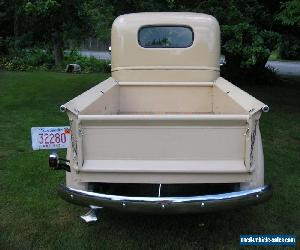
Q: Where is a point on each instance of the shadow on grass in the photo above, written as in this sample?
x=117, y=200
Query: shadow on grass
x=209, y=230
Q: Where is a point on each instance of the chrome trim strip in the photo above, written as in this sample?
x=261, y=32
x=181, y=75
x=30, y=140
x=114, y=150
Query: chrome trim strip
x=193, y=204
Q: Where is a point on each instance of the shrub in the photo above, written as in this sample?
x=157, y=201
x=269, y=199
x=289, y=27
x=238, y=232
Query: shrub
x=38, y=59
x=14, y=64
x=88, y=64
x=27, y=60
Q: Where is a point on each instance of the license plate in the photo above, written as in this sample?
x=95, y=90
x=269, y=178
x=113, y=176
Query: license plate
x=50, y=137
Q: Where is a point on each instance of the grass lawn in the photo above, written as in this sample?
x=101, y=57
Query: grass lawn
x=33, y=216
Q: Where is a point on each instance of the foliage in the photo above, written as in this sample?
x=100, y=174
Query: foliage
x=250, y=29
x=274, y=55
x=247, y=45
x=290, y=13
x=289, y=16
x=87, y=64
x=289, y=47
x=101, y=17
x=27, y=60
x=248, y=37
x=14, y=64
x=54, y=21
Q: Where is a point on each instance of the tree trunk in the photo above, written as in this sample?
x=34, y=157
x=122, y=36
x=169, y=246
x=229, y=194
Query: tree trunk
x=233, y=62
x=261, y=62
x=57, y=48
x=16, y=26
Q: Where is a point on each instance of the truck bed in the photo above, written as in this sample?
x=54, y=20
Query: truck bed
x=124, y=98
x=163, y=133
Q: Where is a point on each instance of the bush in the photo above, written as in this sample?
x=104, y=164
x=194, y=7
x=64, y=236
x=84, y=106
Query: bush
x=27, y=60
x=14, y=64
x=88, y=64
x=37, y=59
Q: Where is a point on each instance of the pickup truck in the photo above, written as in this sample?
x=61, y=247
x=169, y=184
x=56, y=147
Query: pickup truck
x=165, y=133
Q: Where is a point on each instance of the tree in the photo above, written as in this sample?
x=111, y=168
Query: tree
x=10, y=24
x=54, y=21
x=289, y=17
x=250, y=29
x=290, y=13
x=103, y=12
x=248, y=36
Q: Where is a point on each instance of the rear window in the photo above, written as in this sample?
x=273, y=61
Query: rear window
x=165, y=36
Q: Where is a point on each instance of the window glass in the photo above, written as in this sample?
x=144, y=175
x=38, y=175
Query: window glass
x=165, y=37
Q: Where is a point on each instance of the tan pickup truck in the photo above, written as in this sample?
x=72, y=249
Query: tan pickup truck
x=163, y=124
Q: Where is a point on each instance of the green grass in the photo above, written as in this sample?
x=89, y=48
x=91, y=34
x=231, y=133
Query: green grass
x=33, y=216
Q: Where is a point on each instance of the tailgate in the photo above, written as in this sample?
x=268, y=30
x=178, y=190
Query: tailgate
x=163, y=143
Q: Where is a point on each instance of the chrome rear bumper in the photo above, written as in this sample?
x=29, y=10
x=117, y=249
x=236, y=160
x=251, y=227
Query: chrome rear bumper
x=192, y=204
